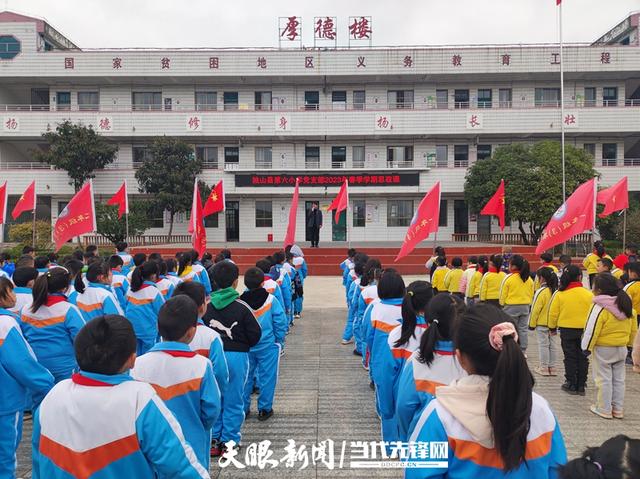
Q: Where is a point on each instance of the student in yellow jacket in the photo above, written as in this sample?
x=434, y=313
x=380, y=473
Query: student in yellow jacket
x=473, y=290
x=492, y=280
x=568, y=311
x=632, y=288
x=516, y=294
x=539, y=320
x=546, y=259
x=437, y=278
x=611, y=328
x=453, y=277
x=590, y=262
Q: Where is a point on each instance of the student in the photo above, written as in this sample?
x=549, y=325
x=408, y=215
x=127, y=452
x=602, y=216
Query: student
x=564, y=260
x=591, y=260
x=240, y=331
x=284, y=282
x=207, y=260
x=491, y=419
x=383, y=317
x=516, y=294
x=465, y=280
x=226, y=254
x=361, y=258
x=91, y=250
x=264, y=357
x=3, y=273
x=616, y=458
x=7, y=266
x=437, y=278
x=163, y=283
x=119, y=282
x=29, y=250
x=172, y=273
x=605, y=265
x=53, y=259
x=453, y=277
x=568, y=311
x=198, y=269
x=431, y=263
x=368, y=292
x=301, y=267
x=23, y=278
x=122, y=250
x=171, y=364
x=547, y=262
x=138, y=260
x=353, y=297
x=269, y=283
x=507, y=254
x=492, y=280
x=144, y=301
x=74, y=267
x=296, y=281
x=185, y=268
x=102, y=412
x=630, y=255
x=41, y=263
x=474, y=287
x=611, y=328
x=52, y=323
x=23, y=380
x=539, y=320
x=25, y=261
x=347, y=264
x=96, y=298
x=433, y=364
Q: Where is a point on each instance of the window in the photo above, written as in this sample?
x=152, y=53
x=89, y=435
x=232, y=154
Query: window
x=399, y=156
x=263, y=100
x=444, y=214
x=230, y=100
x=155, y=216
x=312, y=157
x=311, y=100
x=88, y=100
x=461, y=98
x=339, y=100
x=589, y=96
x=146, y=100
x=358, y=156
x=338, y=156
x=461, y=156
x=504, y=97
x=590, y=148
x=547, y=97
x=442, y=156
x=264, y=214
x=9, y=47
x=484, y=152
x=140, y=155
x=610, y=96
x=359, y=213
x=211, y=221
x=63, y=100
x=609, y=154
x=208, y=155
x=359, y=99
x=263, y=157
x=442, y=99
x=484, y=98
x=206, y=100
x=231, y=157
x=61, y=206
x=400, y=98
x=399, y=212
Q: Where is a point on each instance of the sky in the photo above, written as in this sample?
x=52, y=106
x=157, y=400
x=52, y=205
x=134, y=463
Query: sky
x=254, y=23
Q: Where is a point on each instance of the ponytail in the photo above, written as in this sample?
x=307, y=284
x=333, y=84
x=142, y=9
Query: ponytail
x=78, y=283
x=53, y=281
x=571, y=274
x=440, y=316
x=184, y=260
x=143, y=273
x=370, y=272
x=550, y=278
x=416, y=299
x=95, y=270
x=522, y=265
x=607, y=284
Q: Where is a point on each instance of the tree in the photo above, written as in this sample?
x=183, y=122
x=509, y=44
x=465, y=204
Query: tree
x=23, y=233
x=78, y=150
x=533, y=181
x=168, y=176
x=115, y=229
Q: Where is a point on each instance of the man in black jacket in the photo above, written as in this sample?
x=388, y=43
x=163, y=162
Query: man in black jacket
x=314, y=223
x=239, y=331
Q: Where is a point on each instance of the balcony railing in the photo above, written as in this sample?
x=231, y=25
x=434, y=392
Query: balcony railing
x=144, y=240
x=263, y=164
x=400, y=164
x=312, y=164
x=338, y=164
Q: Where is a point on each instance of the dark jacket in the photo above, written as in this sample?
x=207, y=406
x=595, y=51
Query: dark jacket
x=238, y=327
x=315, y=218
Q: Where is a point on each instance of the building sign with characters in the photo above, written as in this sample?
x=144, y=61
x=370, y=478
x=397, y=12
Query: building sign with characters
x=366, y=179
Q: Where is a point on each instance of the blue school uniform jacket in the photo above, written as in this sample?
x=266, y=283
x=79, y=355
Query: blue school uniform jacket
x=301, y=267
x=51, y=331
x=142, y=310
x=273, y=322
x=208, y=343
x=95, y=426
x=383, y=317
x=345, y=266
x=272, y=288
x=184, y=380
x=21, y=375
x=97, y=300
x=284, y=282
x=166, y=287
x=203, y=276
x=24, y=298
x=120, y=286
x=128, y=262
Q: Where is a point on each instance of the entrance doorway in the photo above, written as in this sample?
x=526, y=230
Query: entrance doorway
x=339, y=229
x=460, y=217
x=232, y=216
x=484, y=228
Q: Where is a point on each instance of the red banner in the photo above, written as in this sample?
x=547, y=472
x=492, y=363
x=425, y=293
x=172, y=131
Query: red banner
x=27, y=201
x=496, y=206
x=290, y=237
x=340, y=202
x=215, y=201
x=614, y=199
x=121, y=199
x=196, y=223
x=3, y=203
x=77, y=218
x=424, y=222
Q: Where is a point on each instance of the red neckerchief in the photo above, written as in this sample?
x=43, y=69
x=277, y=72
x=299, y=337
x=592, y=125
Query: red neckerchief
x=481, y=270
x=55, y=299
x=180, y=354
x=546, y=265
x=574, y=284
x=78, y=378
x=493, y=269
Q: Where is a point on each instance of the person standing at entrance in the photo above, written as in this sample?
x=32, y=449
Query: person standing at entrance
x=314, y=223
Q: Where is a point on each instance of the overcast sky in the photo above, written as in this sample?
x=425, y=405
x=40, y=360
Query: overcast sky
x=252, y=23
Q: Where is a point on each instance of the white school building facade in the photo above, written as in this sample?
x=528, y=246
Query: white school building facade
x=392, y=120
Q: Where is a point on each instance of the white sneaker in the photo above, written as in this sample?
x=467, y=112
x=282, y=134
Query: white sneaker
x=344, y=342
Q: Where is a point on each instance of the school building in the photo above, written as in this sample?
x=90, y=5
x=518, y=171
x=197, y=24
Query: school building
x=393, y=120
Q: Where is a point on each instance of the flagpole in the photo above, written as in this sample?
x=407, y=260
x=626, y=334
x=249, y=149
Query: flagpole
x=624, y=230
x=33, y=227
x=564, y=182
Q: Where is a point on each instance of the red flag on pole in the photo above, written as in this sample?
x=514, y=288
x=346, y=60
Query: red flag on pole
x=558, y=2
x=121, y=199
x=3, y=204
x=290, y=237
x=196, y=224
x=574, y=216
x=215, y=201
x=496, y=206
x=424, y=222
x=340, y=202
x=614, y=199
x=27, y=201
x=77, y=218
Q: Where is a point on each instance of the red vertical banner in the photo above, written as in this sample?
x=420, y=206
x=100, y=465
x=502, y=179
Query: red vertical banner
x=424, y=222
x=290, y=237
x=121, y=199
x=3, y=203
x=196, y=223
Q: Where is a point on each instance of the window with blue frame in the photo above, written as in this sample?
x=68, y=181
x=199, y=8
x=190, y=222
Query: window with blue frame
x=9, y=47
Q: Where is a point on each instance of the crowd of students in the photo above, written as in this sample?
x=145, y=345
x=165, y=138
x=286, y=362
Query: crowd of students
x=448, y=358
x=139, y=366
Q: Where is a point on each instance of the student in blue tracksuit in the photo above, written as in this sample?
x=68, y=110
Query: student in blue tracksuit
x=144, y=301
x=346, y=265
x=74, y=267
x=41, y=263
x=171, y=364
x=23, y=381
x=96, y=298
x=270, y=283
x=52, y=323
x=264, y=357
x=301, y=266
x=368, y=293
x=24, y=279
x=122, y=250
x=361, y=258
x=119, y=281
x=492, y=422
x=283, y=280
x=121, y=427
x=200, y=271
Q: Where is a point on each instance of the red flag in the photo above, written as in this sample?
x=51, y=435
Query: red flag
x=3, y=203
x=121, y=199
x=496, y=206
x=558, y=2
x=614, y=199
x=424, y=222
x=196, y=224
x=215, y=201
x=27, y=201
x=340, y=202
x=574, y=216
x=77, y=218
x=290, y=238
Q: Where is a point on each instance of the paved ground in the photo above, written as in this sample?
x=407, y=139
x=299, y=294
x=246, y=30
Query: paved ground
x=324, y=393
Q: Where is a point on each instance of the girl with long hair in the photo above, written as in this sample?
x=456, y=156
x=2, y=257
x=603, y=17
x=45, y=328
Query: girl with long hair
x=539, y=320
x=96, y=298
x=516, y=294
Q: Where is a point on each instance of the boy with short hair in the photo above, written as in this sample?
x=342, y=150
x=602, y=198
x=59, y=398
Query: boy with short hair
x=453, y=277
x=138, y=260
x=41, y=263
x=347, y=264
x=119, y=281
x=182, y=378
x=283, y=279
x=198, y=269
x=23, y=278
x=465, y=281
x=565, y=261
x=437, y=281
x=122, y=250
x=269, y=283
x=605, y=265
x=103, y=423
x=547, y=262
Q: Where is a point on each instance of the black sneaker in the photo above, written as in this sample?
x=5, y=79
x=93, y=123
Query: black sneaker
x=217, y=448
x=372, y=385
x=255, y=390
x=581, y=392
x=247, y=414
x=569, y=388
x=264, y=415
x=357, y=353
